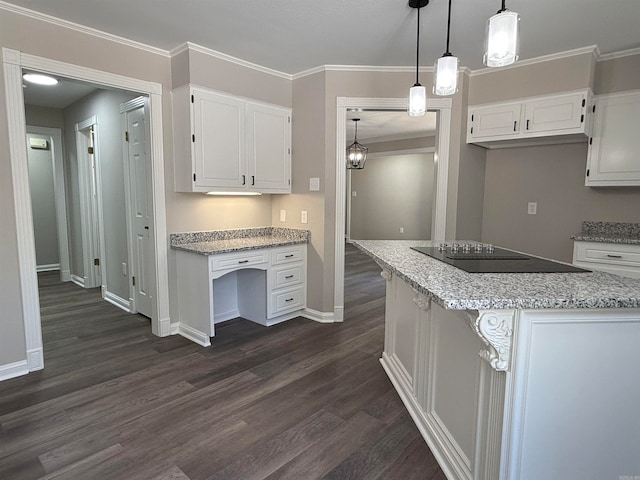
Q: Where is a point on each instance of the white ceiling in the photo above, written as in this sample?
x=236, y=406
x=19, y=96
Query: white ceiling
x=291, y=36
x=380, y=126
x=61, y=95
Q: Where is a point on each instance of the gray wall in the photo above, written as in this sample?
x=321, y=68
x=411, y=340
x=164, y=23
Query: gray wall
x=392, y=192
x=43, y=202
x=44, y=116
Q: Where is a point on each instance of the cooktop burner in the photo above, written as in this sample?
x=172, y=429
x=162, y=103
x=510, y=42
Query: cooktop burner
x=487, y=259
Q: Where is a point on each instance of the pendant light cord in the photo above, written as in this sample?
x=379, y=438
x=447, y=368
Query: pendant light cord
x=504, y=6
x=447, y=53
x=418, y=48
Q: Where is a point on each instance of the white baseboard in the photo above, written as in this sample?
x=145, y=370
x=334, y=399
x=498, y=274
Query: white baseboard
x=166, y=327
x=65, y=275
x=117, y=301
x=48, y=267
x=316, y=316
x=224, y=316
x=35, y=359
x=194, y=335
x=12, y=370
x=77, y=280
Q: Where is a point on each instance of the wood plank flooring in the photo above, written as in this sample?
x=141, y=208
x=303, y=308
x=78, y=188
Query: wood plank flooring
x=299, y=400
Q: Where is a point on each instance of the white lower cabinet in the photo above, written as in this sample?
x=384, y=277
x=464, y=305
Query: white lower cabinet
x=617, y=258
x=266, y=286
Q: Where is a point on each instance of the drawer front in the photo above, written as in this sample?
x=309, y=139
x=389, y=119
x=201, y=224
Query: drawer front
x=228, y=261
x=287, y=255
x=608, y=253
x=287, y=276
x=284, y=301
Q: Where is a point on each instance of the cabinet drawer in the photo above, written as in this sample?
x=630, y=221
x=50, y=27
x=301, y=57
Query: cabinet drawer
x=286, y=276
x=284, y=301
x=226, y=261
x=609, y=253
x=287, y=255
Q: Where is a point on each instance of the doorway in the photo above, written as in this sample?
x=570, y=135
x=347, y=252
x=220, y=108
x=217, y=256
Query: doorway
x=14, y=62
x=441, y=160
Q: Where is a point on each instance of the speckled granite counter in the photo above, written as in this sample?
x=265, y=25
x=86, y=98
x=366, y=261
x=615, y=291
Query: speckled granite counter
x=609, y=232
x=224, y=241
x=455, y=289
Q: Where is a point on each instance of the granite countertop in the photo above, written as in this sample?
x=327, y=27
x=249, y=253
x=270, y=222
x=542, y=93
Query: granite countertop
x=455, y=289
x=224, y=241
x=609, y=232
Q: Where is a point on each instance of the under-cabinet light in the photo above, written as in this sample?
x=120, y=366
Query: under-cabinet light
x=236, y=194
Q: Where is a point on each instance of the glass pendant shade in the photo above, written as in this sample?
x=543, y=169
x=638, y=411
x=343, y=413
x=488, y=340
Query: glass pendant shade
x=356, y=152
x=502, y=42
x=417, y=100
x=445, y=81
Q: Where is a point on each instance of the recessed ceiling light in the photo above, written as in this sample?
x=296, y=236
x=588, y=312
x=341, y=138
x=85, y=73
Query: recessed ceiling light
x=39, y=79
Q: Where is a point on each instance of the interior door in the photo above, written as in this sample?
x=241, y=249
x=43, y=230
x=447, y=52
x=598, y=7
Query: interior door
x=140, y=206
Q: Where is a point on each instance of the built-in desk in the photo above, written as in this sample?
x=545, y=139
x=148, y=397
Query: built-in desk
x=256, y=274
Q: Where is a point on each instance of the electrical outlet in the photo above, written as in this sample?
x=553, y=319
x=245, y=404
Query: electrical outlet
x=354, y=194
x=401, y=229
x=532, y=208
x=283, y=215
x=303, y=216
x=314, y=184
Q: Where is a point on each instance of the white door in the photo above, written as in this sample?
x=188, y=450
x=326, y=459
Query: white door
x=136, y=137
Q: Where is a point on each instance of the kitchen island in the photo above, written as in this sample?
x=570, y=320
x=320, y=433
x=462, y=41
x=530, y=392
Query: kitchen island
x=514, y=376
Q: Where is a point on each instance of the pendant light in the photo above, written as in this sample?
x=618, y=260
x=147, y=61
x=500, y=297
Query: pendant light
x=356, y=152
x=417, y=93
x=502, y=42
x=445, y=81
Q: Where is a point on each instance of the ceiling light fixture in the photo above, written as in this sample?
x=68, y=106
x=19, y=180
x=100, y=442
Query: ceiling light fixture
x=39, y=79
x=502, y=42
x=417, y=93
x=445, y=80
x=356, y=152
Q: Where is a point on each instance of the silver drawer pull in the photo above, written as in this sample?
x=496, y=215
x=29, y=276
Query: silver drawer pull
x=289, y=256
x=288, y=276
x=289, y=300
x=243, y=261
x=614, y=256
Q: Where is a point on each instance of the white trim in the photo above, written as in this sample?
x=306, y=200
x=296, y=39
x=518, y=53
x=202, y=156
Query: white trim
x=13, y=62
x=192, y=334
x=12, y=370
x=78, y=280
x=35, y=359
x=81, y=28
x=593, y=49
x=17, y=133
x=409, y=151
x=360, y=68
x=317, y=316
x=620, y=54
x=441, y=159
x=116, y=300
x=50, y=267
x=188, y=46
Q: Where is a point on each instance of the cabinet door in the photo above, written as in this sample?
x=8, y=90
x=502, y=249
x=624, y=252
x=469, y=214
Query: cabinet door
x=494, y=121
x=554, y=114
x=269, y=148
x=614, y=148
x=219, y=141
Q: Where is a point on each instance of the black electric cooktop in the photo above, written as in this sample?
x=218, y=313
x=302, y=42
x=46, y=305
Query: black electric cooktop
x=496, y=260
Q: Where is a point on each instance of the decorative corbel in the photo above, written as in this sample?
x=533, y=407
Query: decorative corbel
x=495, y=329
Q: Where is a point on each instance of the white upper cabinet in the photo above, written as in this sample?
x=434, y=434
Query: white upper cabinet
x=614, y=147
x=559, y=118
x=225, y=143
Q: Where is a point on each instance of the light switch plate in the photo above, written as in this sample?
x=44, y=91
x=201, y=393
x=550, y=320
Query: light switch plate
x=283, y=215
x=532, y=208
x=314, y=184
x=303, y=216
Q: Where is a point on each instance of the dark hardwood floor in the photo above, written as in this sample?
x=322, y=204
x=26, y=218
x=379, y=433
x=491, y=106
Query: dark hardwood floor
x=299, y=400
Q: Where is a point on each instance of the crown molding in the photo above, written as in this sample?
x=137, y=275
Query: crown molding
x=592, y=49
x=228, y=58
x=81, y=28
x=360, y=68
x=620, y=54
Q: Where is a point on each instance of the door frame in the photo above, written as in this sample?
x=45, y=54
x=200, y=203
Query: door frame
x=441, y=158
x=125, y=108
x=90, y=208
x=13, y=63
x=60, y=194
